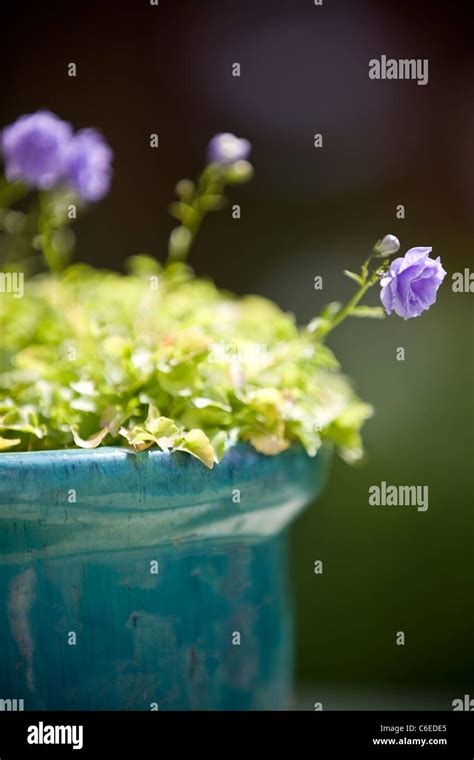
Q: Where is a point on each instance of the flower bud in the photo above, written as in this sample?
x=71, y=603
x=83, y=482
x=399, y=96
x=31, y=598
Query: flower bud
x=388, y=246
x=226, y=149
x=180, y=240
x=185, y=189
x=238, y=173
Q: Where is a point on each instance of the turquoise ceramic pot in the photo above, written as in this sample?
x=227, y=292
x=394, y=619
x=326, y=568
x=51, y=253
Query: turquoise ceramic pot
x=146, y=581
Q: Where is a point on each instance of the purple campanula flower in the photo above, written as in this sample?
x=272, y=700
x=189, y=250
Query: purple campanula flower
x=89, y=169
x=410, y=285
x=34, y=148
x=226, y=149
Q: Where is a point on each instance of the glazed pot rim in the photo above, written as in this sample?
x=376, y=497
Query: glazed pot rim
x=78, y=500
x=103, y=463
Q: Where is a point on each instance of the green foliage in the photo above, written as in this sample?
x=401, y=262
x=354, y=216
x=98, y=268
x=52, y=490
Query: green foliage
x=162, y=358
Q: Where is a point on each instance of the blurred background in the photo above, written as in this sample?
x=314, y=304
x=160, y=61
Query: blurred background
x=167, y=69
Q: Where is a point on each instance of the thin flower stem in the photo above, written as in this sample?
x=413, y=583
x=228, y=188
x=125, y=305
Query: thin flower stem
x=46, y=231
x=347, y=310
x=210, y=183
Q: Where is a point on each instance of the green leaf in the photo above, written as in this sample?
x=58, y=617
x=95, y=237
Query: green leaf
x=204, y=403
x=139, y=438
x=330, y=310
x=89, y=443
x=353, y=276
x=374, y=312
x=197, y=443
x=22, y=420
x=8, y=443
x=160, y=427
x=317, y=324
x=269, y=444
x=90, y=357
x=222, y=441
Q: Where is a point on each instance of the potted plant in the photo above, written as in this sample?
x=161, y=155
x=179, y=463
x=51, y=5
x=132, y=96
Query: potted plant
x=158, y=436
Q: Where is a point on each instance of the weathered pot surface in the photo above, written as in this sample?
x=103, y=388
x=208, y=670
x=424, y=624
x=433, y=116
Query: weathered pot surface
x=146, y=581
